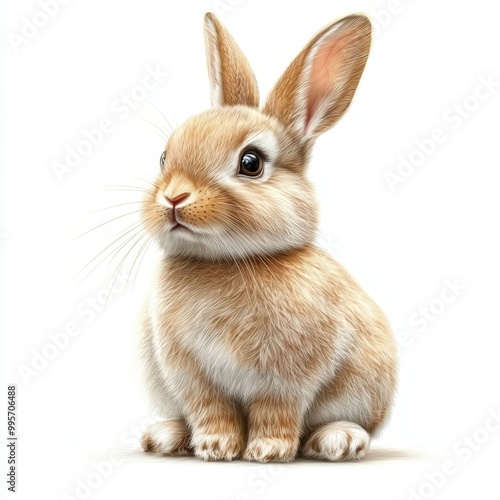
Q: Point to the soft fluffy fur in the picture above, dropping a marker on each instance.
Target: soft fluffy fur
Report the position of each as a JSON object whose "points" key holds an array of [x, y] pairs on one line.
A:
{"points": [[257, 344]]}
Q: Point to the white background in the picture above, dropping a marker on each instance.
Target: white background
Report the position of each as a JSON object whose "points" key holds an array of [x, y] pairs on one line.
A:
{"points": [[402, 244]]}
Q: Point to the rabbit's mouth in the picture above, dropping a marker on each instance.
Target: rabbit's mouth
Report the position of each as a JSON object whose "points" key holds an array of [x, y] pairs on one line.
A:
{"points": [[180, 226], [177, 224]]}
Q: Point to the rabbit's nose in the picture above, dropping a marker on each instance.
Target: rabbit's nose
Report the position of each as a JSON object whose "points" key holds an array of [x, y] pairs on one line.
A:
{"points": [[177, 199]]}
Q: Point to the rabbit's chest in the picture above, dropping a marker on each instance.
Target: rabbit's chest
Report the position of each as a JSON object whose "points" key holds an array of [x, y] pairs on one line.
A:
{"points": [[249, 332], [223, 365], [244, 344], [230, 346]]}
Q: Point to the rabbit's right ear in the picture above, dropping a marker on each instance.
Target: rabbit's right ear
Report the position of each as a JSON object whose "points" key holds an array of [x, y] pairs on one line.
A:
{"points": [[232, 80], [317, 88]]}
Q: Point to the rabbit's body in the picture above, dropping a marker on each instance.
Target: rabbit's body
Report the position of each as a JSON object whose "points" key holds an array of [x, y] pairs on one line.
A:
{"points": [[256, 343], [252, 328]]}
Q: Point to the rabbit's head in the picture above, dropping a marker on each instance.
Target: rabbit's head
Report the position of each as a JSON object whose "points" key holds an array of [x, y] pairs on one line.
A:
{"points": [[233, 179]]}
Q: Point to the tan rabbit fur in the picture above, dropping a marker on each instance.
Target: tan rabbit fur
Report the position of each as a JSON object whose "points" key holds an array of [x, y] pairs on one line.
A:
{"points": [[257, 344]]}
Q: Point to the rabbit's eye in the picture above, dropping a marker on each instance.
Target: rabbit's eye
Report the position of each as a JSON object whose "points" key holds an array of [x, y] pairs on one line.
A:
{"points": [[162, 160], [251, 164]]}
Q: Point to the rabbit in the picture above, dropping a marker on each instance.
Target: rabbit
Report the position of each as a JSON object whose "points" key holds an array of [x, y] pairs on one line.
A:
{"points": [[255, 343]]}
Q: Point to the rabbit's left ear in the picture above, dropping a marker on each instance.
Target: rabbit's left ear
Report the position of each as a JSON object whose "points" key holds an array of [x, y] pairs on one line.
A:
{"points": [[232, 80], [317, 88]]}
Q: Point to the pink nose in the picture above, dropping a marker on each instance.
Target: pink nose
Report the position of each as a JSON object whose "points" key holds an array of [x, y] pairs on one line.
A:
{"points": [[178, 198]]}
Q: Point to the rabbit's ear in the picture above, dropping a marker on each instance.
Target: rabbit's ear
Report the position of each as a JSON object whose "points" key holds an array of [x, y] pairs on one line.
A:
{"points": [[317, 88], [232, 81]]}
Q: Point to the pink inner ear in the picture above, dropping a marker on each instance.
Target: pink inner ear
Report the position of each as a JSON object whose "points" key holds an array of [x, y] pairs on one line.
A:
{"points": [[329, 68]]}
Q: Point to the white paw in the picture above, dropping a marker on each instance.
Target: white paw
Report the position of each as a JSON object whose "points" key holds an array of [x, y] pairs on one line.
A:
{"points": [[212, 447], [270, 450], [338, 441], [169, 437]]}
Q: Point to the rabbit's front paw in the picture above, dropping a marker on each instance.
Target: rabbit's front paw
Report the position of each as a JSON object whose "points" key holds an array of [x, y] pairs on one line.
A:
{"points": [[213, 447], [267, 449], [338, 441], [169, 437]]}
